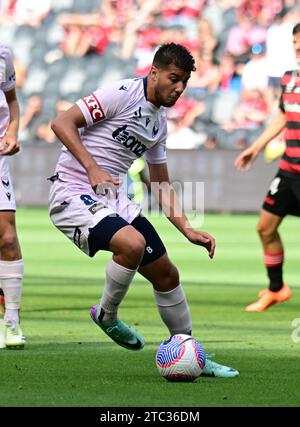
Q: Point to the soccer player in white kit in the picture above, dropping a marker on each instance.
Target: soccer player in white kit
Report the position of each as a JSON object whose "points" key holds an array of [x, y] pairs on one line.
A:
{"points": [[11, 263], [102, 134]]}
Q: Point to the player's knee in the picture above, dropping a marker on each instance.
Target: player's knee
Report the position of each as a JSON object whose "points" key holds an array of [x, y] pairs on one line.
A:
{"points": [[265, 232], [129, 248], [9, 243], [136, 248]]}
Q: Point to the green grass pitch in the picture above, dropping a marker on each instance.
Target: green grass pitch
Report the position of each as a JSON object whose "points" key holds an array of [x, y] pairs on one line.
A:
{"points": [[68, 361]]}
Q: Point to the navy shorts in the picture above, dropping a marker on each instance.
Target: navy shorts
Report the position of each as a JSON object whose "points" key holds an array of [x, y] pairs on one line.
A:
{"points": [[283, 197], [103, 232]]}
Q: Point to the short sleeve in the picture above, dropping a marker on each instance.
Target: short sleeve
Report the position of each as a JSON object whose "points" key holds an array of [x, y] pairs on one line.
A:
{"points": [[156, 154], [102, 104], [8, 75]]}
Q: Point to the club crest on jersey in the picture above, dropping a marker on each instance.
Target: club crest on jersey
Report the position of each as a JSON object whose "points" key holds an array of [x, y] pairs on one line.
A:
{"points": [[94, 107], [129, 141]]}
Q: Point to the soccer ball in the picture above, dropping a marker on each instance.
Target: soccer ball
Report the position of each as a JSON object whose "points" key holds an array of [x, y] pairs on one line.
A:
{"points": [[180, 358]]}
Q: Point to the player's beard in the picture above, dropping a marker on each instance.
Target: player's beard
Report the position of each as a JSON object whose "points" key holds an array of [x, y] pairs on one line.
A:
{"points": [[165, 101]]}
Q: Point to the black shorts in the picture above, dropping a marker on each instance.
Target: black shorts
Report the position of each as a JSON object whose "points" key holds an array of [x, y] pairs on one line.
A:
{"points": [[283, 197], [102, 233]]}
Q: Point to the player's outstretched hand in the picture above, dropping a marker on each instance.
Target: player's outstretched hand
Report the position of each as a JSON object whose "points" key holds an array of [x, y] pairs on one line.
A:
{"points": [[246, 159], [204, 239], [9, 146]]}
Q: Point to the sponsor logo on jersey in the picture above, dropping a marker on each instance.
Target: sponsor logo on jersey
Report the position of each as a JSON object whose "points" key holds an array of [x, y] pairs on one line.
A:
{"points": [[94, 107], [147, 121], [87, 199], [8, 195], [129, 141], [96, 207], [123, 87], [5, 181]]}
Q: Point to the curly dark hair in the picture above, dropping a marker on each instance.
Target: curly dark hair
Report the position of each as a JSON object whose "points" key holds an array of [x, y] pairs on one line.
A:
{"points": [[172, 53]]}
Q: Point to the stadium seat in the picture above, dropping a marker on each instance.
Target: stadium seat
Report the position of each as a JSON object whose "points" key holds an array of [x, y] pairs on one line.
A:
{"points": [[35, 81], [87, 6], [22, 48], [55, 34], [59, 6], [71, 82]]}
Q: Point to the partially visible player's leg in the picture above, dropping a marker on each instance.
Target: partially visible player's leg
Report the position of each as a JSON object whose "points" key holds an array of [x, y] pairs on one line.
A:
{"points": [[267, 229], [87, 221], [11, 275], [169, 295], [127, 245], [158, 269]]}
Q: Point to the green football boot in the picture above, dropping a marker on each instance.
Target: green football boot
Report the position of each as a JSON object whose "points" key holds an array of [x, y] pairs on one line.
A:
{"points": [[118, 331], [213, 369]]}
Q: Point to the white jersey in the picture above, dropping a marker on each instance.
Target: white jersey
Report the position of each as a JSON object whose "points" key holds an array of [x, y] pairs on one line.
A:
{"points": [[7, 82], [121, 126]]}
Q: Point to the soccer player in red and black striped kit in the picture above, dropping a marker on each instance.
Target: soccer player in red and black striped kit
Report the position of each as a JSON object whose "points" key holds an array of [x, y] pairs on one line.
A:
{"points": [[283, 197]]}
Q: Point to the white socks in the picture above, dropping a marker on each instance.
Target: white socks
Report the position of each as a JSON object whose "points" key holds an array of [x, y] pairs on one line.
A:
{"points": [[174, 310], [118, 279], [11, 276], [172, 306]]}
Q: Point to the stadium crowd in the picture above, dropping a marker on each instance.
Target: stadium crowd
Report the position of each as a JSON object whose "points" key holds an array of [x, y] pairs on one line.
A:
{"points": [[65, 49]]}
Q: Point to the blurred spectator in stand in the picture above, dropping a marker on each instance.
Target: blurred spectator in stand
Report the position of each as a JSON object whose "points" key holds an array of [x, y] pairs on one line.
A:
{"points": [[84, 33], [230, 78], [205, 38], [248, 119], [20, 73], [141, 29], [147, 41], [117, 13], [254, 74], [242, 37], [207, 76], [44, 131], [280, 55], [28, 119], [180, 119], [182, 13], [27, 12], [261, 9]]}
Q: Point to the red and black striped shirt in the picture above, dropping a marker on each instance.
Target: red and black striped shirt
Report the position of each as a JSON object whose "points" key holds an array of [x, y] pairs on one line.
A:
{"points": [[290, 105]]}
